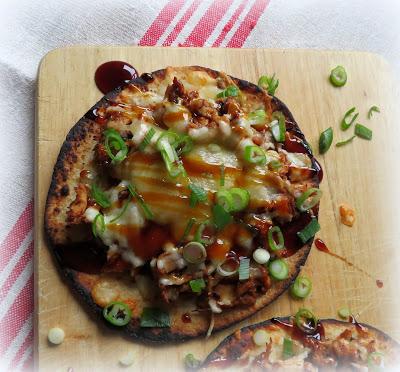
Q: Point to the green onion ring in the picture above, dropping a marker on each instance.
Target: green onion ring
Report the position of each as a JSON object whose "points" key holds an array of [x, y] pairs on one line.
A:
{"points": [[255, 155], [117, 313], [302, 202], [338, 76], [98, 225], [306, 321], [301, 287], [113, 140], [271, 239], [278, 269]]}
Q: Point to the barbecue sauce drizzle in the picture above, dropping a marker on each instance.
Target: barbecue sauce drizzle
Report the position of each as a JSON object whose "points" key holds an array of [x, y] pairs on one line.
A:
{"points": [[111, 75]]}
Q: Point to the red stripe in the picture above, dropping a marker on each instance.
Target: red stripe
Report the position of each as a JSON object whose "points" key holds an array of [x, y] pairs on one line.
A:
{"points": [[207, 23], [17, 234], [16, 316], [179, 26], [162, 21], [18, 268], [28, 342], [28, 365], [230, 24], [248, 24]]}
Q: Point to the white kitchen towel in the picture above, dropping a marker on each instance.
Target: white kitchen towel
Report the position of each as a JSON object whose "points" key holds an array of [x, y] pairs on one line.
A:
{"points": [[29, 29]]}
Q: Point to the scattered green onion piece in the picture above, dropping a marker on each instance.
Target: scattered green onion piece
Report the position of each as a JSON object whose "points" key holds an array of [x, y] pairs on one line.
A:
{"points": [[270, 84], [165, 144], [197, 285], [188, 228], [376, 359], [194, 253], [117, 313], [184, 144], [199, 237], [230, 91], [255, 155], [372, 110], [222, 175], [224, 199], [257, 117], [221, 217], [342, 143], [287, 348], [197, 195], [338, 76], [146, 209], [363, 132], [309, 231], [306, 321], [124, 208], [98, 225], [244, 269], [271, 239], [304, 203], [100, 197], [147, 138], [344, 313], [325, 140], [114, 141], [278, 269], [301, 287], [191, 362], [154, 317], [240, 199], [345, 124], [278, 126]]}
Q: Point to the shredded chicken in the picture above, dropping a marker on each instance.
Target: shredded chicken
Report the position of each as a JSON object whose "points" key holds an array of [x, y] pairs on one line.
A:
{"points": [[78, 206]]}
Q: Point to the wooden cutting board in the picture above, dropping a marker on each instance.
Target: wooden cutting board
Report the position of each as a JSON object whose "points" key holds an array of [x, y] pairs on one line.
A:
{"points": [[363, 174]]}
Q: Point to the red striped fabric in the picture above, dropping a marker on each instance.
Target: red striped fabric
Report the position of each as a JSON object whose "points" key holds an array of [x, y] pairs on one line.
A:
{"points": [[250, 21], [207, 23], [17, 316]]}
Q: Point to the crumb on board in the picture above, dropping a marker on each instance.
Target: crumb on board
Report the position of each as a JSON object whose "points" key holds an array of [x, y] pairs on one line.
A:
{"points": [[347, 215]]}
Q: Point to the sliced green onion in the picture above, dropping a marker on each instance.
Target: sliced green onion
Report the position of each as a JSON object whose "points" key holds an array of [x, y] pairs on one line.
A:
{"points": [[240, 199], [226, 270], [363, 132], [197, 285], [309, 231], [224, 199], [278, 126], [188, 228], [117, 313], [222, 175], [255, 155], [345, 124], [270, 84], [124, 208], [199, 235], [244, 269], [257, 117], [147, 138], [221, 217], [338, 76], [165, 144], [261, 256], [278, 269], [287, 348], [194, 252], [197, 195], [230, 91], [191, 362], [274, 165], [271, 238], [372, 110], [98, 225], [308, 199], [154, 317], [339, 144], [100, 197], [146, 209], [115, 143], [376, 359], [325, 140], [301, 287], [184, 144], [344, 313], [306, 321]]}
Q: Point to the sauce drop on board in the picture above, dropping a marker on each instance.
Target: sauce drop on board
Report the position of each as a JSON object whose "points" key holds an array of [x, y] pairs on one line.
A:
{"points": [[111, 75], [379, 283]]}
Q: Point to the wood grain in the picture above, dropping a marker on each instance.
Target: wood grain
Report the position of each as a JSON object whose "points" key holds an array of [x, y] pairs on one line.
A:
{"points": [[363, 174]]}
